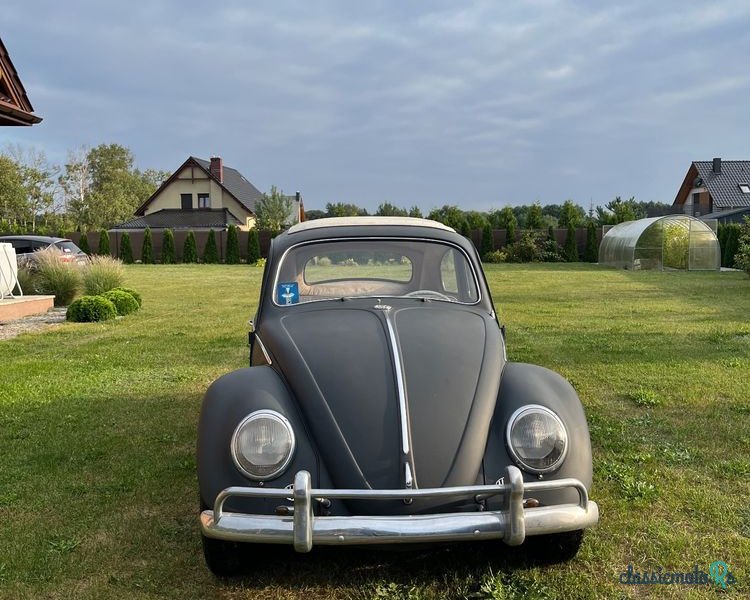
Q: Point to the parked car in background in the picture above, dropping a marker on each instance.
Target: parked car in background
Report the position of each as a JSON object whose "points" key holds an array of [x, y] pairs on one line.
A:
{"points": [[380, 407], [27, 245]]}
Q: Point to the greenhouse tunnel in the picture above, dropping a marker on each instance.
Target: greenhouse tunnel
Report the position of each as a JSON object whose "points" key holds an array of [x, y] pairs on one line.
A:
{"points": [[671, 242]]}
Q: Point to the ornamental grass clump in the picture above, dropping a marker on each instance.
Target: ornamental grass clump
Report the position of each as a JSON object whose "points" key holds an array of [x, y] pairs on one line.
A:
{"points": [[56, 276], [91, 309], [102, 274], [124, 302]]}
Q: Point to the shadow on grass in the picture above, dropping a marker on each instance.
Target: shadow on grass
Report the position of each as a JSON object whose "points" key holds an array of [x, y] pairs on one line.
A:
{"points": [[364, 568]]}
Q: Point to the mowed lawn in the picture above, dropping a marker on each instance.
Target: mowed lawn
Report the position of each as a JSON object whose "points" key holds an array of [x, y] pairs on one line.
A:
{"points": [[98, 493]]}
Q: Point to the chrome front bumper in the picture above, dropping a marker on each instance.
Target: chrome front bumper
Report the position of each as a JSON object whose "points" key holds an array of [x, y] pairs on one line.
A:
{"points": [[303, 529]]}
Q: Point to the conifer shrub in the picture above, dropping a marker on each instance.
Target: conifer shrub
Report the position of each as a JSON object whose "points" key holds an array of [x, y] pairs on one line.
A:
{"points": [[147, 252], [570, 249], [487, 244], [211, 252], [591, 253], [103, 243], [124, 302], [126, 249], [167, 248], [190, 249], [90, 309], [253, 247], [232, 256], [83, 243]]}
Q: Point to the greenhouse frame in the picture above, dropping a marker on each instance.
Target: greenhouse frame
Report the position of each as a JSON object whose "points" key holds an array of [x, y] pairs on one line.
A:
{"points": [[671, 242]]}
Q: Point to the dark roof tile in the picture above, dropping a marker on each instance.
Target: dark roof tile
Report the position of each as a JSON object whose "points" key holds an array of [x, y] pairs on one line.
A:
{"points": [[170, 218], [724, 187]]}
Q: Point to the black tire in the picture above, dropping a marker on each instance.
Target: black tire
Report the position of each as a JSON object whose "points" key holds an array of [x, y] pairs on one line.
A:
{"points": [[554, 548]]}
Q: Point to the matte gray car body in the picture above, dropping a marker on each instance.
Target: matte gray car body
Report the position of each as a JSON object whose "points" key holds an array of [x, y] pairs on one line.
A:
{"points": [[328, 367]]}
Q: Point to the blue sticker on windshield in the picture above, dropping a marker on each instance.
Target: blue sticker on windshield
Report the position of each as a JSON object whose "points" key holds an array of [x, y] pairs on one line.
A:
{"points": [[288, 293]]}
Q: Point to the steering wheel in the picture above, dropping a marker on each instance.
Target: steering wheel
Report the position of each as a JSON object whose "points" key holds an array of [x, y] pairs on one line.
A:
{"points": [[429, 294]]}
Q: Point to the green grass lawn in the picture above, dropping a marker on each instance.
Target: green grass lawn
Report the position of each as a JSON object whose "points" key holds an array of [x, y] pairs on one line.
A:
{"points": [[98, 492]]}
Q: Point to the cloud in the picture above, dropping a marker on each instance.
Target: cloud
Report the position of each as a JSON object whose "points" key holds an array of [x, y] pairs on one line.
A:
{"points": [[419, 105]]}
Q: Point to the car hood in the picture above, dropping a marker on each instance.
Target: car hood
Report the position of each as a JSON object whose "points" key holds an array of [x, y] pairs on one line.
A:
{"points": [[339, 363]]}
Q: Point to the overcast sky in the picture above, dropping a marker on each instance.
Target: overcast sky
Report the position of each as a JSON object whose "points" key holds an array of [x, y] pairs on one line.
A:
{"points": [[479, 104]]}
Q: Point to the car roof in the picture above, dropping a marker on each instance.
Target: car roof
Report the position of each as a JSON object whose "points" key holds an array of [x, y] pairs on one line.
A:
{"points": [[367, 221], [35, 238]]}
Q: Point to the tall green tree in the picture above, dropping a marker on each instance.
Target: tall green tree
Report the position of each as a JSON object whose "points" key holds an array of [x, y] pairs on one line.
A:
{"points": [[253, 247], [534, 217], [341, 209], [619, 210], [506, 219], [39, 181], [450, 215], [103, 243], [12, 192], [190, 249], [232, 256], [211, 252], [386, 209], [126, 249], [570, 213], [415, 212], [167, 248], [273, 211]]}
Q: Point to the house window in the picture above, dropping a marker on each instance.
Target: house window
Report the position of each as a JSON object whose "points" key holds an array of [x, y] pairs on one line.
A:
{"points": [[186, 201], [204, 201], [745, 188], [696, 204]]}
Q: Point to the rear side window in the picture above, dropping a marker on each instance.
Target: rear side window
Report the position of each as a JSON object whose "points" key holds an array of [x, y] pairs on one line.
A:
{"points": [[22, 246], [68, 247]]}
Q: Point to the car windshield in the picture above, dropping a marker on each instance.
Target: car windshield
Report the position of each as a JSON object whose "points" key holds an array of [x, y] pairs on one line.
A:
{"points": [[375, 268], [68, 247]]}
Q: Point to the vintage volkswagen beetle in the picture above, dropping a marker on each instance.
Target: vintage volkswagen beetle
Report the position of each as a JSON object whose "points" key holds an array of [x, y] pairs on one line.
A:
{"points": [[379, 407]]}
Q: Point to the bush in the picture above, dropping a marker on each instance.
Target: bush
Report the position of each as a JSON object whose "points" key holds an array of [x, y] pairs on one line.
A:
{"points": [[261, 263], [510, 232], [102, 274], [83, 243], [132, 292], [210, 252], [89, 309], [496, 256], [190, 249], [147, 254], [742, 257], [55, 277], [167, 248], [232, 257], [570, 249], [124, 302], [253, 247], [526, 249], [126, 249], [550, 251], [591, 254], [103, 243]]}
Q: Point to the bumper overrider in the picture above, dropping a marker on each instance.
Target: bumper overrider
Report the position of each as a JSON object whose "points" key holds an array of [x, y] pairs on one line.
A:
{"points": [[302, 529]]}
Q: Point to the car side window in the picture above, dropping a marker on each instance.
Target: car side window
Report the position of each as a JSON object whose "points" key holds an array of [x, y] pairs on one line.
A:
{"points": [[22, 246], [448, 272], [39, 246]]}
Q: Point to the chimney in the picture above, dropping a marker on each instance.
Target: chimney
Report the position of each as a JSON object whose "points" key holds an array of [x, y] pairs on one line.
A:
{"points": [[717, 166], [217, 168]]}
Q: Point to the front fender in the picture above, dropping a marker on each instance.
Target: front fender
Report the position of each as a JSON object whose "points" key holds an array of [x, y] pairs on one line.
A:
{"points": [[228, 401], [523, 384]]}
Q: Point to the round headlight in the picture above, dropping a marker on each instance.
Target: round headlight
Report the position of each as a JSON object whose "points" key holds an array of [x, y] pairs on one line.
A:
{"points": [[537, 439], [263, 444]]}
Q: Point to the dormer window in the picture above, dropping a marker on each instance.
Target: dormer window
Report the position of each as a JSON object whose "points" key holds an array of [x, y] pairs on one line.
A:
{"points": [[745, 188]]}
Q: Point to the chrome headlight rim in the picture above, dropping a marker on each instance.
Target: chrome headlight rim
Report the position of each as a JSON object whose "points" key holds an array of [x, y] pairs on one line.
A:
{"points": [[517, 414], [270, 414]]}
